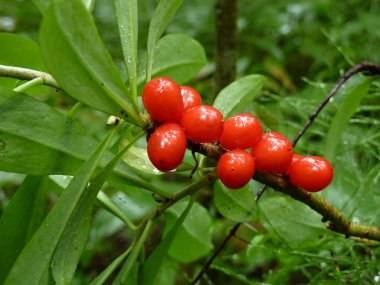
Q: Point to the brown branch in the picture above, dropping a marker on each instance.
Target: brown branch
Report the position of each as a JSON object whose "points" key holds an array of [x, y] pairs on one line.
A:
{"points": [[226, 42], [367, 67], [336, 220]]}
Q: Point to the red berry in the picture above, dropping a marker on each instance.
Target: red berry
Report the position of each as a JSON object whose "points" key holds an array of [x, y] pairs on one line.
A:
{"points": [[190, 97], [202, 124], [236, 168], [163, 100], [273, 153], [167, 146], [241, 131], [312, 173], [295, 157]]}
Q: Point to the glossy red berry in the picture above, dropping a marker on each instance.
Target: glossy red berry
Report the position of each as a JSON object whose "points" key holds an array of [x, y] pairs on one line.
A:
{"points": [[273, 153], [190, 97], [312, 173], [163, 100], [235, 168], [167, 146], [202, 124], [241, 131], [295, 157]]}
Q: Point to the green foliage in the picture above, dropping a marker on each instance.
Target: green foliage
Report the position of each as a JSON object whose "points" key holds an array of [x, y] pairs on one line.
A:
{"points": [[101, 226], [234, 205], [69, 41]]}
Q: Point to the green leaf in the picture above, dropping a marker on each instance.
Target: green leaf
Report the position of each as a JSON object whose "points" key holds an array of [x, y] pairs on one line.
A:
{"points": [[78, 60], [195, 231], [37, 139], [160, 19], [236, 95], [21, 218], [102, 277], [176, 56], [236, 205], [294, 222], [31, 264], [127, 18], [131, 261], [72, 242], [42, 5], [347, 108], [20, 51], [155, 262]]}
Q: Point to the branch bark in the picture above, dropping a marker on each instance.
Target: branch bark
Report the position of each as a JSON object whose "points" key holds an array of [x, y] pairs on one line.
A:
{"points": [[27, 74], [226, 42]]}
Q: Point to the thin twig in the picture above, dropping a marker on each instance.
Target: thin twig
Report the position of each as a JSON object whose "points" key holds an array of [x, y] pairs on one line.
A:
{"points": [[27, 74], [367, 67], [216, 253]]}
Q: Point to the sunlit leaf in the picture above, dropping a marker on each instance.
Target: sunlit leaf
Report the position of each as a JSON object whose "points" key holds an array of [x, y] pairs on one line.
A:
{"points": [[236, 95], [78, 60]]}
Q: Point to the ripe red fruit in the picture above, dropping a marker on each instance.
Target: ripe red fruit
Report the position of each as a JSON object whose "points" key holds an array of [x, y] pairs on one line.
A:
{"points": [[163, 100], [295, 157], [202, 124], [235, 168], [167, 146], [312, 173], [273, 153], [241, 131], [190, 97]]}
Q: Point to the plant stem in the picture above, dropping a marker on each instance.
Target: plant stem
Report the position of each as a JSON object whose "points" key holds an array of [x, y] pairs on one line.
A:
{"points": [[226, 42], [216, 253], [367, 67], [188, 190], [34, 82], [27, 74], [74, 109], [336, 220]]}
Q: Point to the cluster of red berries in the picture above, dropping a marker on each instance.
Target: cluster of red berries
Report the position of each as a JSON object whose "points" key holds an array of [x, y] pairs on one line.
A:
{"points": [[182, 116]]}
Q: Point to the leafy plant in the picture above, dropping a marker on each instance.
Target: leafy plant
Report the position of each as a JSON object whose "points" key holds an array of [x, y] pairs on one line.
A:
{"points": [[85, 205]]}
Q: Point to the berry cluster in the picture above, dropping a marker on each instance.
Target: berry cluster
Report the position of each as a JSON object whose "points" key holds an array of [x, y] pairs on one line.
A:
{"points": [[182, 116]]}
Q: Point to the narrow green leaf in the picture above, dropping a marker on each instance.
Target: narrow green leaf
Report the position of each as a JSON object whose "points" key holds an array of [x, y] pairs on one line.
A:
{"points": [[347, 108], [177, 56], [236, 205], [236, 95], [160, 19], [72, 242], [154, 263], [132, 258], [78, 60], [195, 230], [37, 139], [21, 218], [31, 264], [102, 277], [127, 18]]}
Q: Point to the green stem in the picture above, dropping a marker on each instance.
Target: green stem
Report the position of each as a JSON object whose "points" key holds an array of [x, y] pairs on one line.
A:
{"points": [[34, 82], [188, 190], [107, 203], [74, 109], [102, 277], [137, 246]]}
